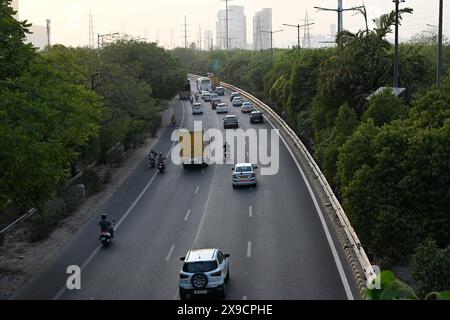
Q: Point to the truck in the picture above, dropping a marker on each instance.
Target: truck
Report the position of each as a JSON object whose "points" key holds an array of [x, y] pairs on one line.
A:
{"points": [[192, 149], [215, 81], [185, 94]]}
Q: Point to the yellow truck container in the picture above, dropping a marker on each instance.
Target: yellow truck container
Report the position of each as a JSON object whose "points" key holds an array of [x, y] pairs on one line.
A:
{"points": [[215, 82], [192, 149]]}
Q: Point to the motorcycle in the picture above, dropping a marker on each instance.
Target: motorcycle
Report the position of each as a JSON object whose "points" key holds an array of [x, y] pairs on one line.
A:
{"points": [[152, 159], [161, 166], [106, 237]]}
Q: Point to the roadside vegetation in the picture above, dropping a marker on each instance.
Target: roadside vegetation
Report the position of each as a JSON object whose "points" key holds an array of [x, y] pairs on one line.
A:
{"points": [[387, 157], [64, 108]]}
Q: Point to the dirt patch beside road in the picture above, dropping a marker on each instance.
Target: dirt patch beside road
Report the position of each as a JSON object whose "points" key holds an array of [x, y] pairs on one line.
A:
{"points": [[20, 259]]}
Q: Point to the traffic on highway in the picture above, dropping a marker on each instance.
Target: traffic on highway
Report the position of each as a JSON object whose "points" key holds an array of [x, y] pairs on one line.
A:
{"points": [[248, 235]]}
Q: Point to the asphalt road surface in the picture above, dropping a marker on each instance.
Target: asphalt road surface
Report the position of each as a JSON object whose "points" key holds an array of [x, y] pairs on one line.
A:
{"points": [[281, 245]]}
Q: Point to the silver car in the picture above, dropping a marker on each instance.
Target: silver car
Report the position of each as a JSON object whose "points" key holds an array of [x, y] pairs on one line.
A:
{"points": [[247, 107], [204, 271], [244, 175], [222, 108]]}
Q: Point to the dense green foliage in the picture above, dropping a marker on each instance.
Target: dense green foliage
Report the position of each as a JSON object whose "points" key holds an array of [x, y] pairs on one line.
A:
{"points": [[386, 157], [392, 288], [432, 267], [64, 107]]}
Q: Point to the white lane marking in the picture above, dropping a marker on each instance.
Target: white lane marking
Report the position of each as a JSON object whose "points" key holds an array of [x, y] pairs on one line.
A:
{"points": [[337, 260], [187, 215], [197, 235], [94, 253], [250, 212], [244, 298], [170, 253], [197, 189], [249, 249]]}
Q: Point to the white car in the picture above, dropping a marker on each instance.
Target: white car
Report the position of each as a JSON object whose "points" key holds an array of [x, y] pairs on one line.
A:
{"points": [[244, 175], [247, 107], [197, 108], [237, 102], [204, 271], [222, 108], [206, 96]]}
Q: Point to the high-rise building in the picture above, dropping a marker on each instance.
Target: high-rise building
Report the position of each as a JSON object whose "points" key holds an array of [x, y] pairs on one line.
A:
{"points": [[207, 40], [262, 21], [237, 28]]}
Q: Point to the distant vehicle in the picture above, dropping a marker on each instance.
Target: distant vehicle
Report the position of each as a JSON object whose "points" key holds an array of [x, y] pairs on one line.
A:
{"points": [[256, 117], [244, 175], [204, 84], [220, 91], [204, 271], [215, 102], [234, 95], [230, 122], [192, 149], [206, 96], [237, 102], [222, 108], [215, 81], [214, 96], [185, 94], [247, 107], [197, 108]]}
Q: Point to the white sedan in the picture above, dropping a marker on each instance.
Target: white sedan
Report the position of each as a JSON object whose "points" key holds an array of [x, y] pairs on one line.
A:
{"points": [[222, 108]]}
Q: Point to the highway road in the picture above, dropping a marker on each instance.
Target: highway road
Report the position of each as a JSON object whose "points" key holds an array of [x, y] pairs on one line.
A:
{"points": [[281, 245]]}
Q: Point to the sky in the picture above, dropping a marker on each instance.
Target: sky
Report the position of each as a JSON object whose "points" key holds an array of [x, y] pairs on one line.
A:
{"points": [[157, 19]]}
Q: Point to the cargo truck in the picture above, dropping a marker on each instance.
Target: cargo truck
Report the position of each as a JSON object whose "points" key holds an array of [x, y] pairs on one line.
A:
{"points": [[192, 149]]}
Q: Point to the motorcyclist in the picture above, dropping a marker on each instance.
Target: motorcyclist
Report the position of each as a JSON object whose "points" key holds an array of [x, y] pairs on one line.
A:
{"points": [[196, 97], [161, 159], [191, 99], [174, 119], [152, 157], [106, 225]]}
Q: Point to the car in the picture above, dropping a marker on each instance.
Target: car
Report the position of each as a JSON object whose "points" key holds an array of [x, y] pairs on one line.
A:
{"points": [[214, 96], [247, 107], [206, 96], [197, 108], [244, 175], [204, 271], [237, 102], [220, 91], [256, 117], [234, 95], [215, 102], [230, 122], [222, 108]]}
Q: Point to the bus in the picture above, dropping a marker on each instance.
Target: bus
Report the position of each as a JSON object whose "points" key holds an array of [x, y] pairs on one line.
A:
{"points": [[203, 84]]}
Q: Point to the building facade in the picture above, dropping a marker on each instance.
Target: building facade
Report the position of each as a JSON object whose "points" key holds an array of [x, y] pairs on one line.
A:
{"points": [[237, 28], [262, 21]]}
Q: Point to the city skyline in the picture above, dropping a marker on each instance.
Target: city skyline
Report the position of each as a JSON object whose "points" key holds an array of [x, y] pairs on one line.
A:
{"points": [[70, 19]]}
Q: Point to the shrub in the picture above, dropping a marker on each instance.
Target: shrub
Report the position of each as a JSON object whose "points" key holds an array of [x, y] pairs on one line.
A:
{"points": [[92, 181], [432, 267]]}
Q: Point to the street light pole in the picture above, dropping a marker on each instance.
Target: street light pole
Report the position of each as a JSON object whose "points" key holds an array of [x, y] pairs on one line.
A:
{"points": [[440, 53], [298, 26], [396, 72], [271, 39]]}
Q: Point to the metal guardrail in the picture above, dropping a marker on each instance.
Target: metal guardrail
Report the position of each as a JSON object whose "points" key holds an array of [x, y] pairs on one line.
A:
{"points": [[350, 233], [17, 221]]}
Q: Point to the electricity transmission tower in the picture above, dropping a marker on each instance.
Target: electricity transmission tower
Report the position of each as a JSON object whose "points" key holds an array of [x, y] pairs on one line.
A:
{"points": [[307, 31], [91, 31]]}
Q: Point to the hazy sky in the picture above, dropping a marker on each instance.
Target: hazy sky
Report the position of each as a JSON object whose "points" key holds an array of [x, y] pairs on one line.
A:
{"points": [[150, 18]]}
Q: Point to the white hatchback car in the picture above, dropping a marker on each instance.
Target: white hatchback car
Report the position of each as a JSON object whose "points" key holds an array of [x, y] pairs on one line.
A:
{"points": [[204, 271], [206, 96], [244, 175], [222, 108], [197, 108]]}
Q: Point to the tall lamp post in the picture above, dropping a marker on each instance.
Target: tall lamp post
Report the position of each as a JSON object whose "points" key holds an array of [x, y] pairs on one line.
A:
{"points": [[298, 26], [396, 73], [271, 38]]}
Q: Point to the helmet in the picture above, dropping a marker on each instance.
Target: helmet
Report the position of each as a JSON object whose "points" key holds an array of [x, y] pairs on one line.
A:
{"points": [[103, 216]]}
